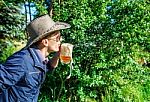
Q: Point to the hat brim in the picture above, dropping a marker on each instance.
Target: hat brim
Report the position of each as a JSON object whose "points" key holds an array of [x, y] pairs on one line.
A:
{"points": [[57, 26]]}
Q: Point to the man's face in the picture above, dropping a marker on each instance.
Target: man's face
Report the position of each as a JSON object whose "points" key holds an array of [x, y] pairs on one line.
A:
{"points": [[54, 42]]}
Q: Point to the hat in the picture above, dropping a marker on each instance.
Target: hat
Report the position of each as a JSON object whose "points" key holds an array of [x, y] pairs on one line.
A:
{"points": [[41, 27]]}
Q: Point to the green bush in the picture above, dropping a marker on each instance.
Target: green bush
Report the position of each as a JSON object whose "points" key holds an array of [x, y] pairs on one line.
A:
{"points": [[7, 49], [11, 28], [111, 52]]}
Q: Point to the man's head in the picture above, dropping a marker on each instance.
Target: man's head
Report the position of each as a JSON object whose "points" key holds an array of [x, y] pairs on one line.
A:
{"points": [[50, 42], [44, 27]]}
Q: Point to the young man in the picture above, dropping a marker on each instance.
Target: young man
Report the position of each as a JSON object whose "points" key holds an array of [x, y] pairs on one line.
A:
{"points": [[23, 73]]}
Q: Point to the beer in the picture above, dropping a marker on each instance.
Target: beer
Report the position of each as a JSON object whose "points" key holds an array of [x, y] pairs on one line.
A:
{"points": [[65, 59], [66, 56], [66, 53]]}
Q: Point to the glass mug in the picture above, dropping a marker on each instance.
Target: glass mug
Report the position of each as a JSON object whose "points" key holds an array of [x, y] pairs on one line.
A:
{"points": [[66, 53]]}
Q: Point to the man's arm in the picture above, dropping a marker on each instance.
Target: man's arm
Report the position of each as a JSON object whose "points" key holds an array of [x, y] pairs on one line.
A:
{"points": [[54, 60], [11, 71]]}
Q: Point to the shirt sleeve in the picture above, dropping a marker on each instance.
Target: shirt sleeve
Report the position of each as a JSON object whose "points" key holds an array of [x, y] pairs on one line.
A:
{"points": [[11, 71]]}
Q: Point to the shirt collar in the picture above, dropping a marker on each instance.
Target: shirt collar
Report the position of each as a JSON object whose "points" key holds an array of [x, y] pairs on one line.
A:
{"points": [[37, 57], [41, 56]]}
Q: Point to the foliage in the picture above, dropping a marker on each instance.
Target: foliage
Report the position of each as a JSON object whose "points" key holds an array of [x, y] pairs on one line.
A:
{"points": [[6, 50], [11, 21], [111, 51], [12, 27]]}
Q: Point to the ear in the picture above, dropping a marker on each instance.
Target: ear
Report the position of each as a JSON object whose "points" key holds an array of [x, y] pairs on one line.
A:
{"points": [[45, 42]]}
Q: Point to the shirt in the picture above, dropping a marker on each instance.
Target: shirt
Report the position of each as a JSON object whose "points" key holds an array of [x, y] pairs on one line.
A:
{"points": [[21, 76]]}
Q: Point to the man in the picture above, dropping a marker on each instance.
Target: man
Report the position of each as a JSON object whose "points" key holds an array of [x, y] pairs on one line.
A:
{"points": [[23, 73]]}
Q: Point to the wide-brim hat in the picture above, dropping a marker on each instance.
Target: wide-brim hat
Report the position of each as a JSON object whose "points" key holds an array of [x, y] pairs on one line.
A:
{"points": [[42, 27]]}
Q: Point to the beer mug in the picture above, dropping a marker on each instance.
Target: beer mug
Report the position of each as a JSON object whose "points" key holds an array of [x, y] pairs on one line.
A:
{"points": [[66, 53]]}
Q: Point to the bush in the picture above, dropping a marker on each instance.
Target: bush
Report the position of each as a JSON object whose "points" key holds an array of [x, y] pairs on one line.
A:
{"points": [[111, 52]]}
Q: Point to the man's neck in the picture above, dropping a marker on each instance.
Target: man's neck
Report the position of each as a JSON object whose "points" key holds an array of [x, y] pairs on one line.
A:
{"points": [[42, 51]]}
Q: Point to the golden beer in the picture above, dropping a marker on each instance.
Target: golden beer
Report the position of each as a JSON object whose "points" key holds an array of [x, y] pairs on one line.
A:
{"points": [[66, 53]]}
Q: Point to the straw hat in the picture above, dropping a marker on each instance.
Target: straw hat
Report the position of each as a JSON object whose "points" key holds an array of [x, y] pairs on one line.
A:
{"points": [[41, 27]]}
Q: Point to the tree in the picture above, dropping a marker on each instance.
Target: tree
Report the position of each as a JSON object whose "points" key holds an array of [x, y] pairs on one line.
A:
{"points": [[11, 27], [111, 53]]}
